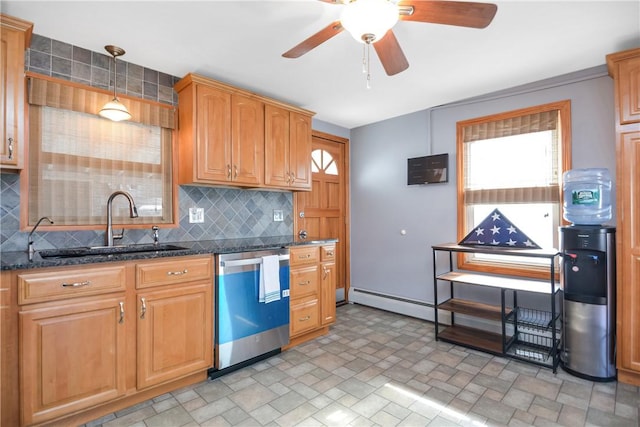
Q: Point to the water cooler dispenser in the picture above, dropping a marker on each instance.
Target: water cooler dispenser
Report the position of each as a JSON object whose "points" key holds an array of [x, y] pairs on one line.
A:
{"points": [[588, 279]]}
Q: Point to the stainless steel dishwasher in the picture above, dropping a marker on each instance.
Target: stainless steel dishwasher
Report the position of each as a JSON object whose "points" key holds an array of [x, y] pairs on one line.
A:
{"points": [[247, 330]]}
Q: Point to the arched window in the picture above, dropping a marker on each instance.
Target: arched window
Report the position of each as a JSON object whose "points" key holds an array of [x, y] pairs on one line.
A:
{"points": [[322, 160]]}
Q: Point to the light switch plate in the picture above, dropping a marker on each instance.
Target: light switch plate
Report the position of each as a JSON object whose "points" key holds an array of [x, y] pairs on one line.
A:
{"points": [[278, 215], [196, 215]]}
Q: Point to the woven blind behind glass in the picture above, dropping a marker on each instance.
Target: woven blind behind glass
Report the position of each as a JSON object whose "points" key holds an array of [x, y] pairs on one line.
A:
{"points": [[538, 122], [77, 160]]}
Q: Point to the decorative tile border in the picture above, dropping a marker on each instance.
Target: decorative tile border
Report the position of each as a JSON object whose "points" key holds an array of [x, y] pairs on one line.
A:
{"points": [[64, 61]]}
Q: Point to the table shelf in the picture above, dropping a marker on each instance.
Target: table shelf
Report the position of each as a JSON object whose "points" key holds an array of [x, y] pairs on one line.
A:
{"points": [[527, 334]]}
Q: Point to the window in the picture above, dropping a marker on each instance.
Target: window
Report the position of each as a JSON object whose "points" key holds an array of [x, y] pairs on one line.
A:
{"points": [[322, 160], [514, 162], [77, 160]]}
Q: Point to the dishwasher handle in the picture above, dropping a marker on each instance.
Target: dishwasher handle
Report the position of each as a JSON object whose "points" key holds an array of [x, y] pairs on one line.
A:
{"points": [[249, 261]]}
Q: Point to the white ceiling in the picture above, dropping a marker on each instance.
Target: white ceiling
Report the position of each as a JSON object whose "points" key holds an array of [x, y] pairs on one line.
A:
{"points": [[241, 43]]}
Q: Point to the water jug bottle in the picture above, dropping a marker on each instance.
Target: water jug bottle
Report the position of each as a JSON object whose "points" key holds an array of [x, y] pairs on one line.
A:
{"points": [[587, 196]]}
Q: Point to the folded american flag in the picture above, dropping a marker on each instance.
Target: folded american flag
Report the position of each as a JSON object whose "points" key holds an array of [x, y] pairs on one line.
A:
{"points": [[497, 230]]}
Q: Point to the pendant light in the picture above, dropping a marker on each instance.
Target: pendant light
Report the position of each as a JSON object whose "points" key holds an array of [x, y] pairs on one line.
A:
{"points": [[114, 109]]}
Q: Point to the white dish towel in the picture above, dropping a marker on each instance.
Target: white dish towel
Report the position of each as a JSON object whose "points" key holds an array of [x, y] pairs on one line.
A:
{"points": [[269, 279]]}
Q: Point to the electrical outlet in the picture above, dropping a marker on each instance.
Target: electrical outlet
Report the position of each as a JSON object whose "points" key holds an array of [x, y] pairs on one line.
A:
{"points": [[196, 215], [278, 215]]}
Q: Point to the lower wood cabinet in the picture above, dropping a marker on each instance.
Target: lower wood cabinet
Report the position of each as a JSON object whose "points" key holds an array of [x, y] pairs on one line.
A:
{"points": [[174, 333], [312, 291], [79, 342], [328, 283], [72, 358]]}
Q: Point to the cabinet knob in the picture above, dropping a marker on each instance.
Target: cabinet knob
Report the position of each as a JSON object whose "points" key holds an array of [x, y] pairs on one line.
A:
{"points": [[10, 148], [228, 171], [177, 273]]}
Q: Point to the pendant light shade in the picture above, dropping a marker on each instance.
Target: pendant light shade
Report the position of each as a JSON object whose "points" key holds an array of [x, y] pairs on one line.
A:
{"points": [[114, 109]]}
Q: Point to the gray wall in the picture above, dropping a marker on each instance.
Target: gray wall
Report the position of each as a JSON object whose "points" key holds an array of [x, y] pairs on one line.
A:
{"points": [[385, 261]]}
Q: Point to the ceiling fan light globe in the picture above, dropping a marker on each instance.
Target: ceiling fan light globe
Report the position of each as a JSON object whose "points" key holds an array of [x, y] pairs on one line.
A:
{"points": [[115, 110], [369, 17]]}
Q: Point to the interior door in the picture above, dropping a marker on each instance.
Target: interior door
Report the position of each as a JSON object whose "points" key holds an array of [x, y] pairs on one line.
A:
{"points": [[322, 212]]}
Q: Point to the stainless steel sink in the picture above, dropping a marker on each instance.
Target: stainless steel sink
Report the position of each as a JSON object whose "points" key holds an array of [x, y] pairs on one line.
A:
{"points": [[106, 250]]}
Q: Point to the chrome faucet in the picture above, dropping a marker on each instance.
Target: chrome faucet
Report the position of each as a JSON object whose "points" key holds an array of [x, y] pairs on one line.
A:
{"points": [[156, 236], [30, 248], [133, 213]]}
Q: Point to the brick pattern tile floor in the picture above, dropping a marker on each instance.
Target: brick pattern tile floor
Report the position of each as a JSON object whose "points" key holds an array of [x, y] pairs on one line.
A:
{"points": [[377, 368]]}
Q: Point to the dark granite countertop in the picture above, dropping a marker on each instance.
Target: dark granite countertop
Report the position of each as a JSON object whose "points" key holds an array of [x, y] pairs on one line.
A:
{"points": [[20, 260]]}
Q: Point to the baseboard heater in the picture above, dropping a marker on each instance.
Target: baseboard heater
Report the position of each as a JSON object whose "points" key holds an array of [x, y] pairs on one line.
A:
{"points": [[393, 303]]}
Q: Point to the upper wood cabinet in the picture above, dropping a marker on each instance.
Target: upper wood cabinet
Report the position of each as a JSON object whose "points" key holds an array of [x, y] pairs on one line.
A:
{"points": [[624, 67], [16, 37], [287, 149], [222, 133]]}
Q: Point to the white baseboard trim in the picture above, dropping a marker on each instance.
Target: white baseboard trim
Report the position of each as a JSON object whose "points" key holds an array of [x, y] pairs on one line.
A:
{"points": [[408, 307]]}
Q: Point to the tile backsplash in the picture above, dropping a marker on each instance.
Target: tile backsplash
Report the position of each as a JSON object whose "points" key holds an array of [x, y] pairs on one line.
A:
{"points": [[228, 213]]}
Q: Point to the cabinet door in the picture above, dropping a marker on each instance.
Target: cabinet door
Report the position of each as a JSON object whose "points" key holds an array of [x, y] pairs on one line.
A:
{"points": [[247, 132], [12, 103], [300, 151], [328, 291], [175, 333], [276, 147], [628, 84], [213, 135], [628, 237], [71, 357]]}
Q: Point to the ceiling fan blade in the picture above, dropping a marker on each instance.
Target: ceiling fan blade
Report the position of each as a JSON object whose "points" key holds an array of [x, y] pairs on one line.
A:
{"points": [[459, 13], [390, 54], [315, 40]]}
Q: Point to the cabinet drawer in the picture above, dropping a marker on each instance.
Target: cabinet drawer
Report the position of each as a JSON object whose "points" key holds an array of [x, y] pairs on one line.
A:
{"points": [[172, 271], [305, 316], [304, 255], [328, 253], [304, 281], [57, 285]]}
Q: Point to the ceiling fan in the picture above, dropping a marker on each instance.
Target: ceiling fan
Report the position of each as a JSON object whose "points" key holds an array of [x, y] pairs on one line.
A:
{"points": [[371, 22]]}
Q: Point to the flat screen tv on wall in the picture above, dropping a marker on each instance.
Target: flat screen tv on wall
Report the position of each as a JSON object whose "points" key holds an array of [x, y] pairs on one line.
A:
{"points": [[428, 169]]}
